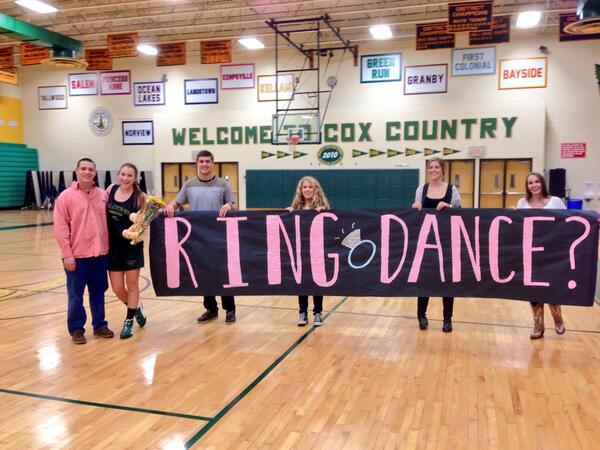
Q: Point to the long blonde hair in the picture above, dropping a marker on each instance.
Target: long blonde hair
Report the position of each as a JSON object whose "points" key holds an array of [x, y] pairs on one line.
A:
{"points": [[319, 199]]}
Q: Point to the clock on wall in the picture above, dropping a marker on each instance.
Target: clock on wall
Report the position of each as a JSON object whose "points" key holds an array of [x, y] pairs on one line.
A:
{"points": [[101, 121]]}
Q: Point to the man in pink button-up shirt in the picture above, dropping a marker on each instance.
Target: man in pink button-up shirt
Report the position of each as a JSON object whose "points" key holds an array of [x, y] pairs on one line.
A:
{"points": [[81, 232]]}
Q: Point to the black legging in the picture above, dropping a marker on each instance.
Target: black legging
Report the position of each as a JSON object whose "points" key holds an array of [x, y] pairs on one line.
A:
{"points": [[317, 301], [424, 301]]}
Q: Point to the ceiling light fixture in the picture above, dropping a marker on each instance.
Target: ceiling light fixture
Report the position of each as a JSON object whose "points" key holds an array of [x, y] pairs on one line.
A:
{"points": [[528, 19], [147, 49], [381, 32], [37, 6], [252, 43]]}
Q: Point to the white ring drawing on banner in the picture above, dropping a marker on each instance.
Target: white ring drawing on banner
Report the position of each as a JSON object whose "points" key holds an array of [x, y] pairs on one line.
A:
{"points": [[366, 241]]}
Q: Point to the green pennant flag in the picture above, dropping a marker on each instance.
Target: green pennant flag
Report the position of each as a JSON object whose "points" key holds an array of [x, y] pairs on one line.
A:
{"points": [[357, 153], [299, 154], [411, 152], [430, 151], [391, 152], [264, 155], [374, 152], [281, 154], [450, 151]]}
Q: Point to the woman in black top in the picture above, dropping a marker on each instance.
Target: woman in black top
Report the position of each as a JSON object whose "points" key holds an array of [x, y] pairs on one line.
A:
{"points": [[125, 259], [436, 194]]}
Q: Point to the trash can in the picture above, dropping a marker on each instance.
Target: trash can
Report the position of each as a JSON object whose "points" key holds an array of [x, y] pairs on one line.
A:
{"points": [[575, 203]]}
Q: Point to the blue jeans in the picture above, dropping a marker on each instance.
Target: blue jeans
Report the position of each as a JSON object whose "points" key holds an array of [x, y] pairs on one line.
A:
{"points": [[90, 272]]}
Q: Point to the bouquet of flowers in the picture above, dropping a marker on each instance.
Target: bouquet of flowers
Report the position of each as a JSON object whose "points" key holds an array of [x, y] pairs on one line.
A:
{"points": [[140, 220]]}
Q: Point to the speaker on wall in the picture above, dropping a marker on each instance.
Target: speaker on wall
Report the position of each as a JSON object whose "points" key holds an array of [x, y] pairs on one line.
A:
{"points": [[558, 181]]}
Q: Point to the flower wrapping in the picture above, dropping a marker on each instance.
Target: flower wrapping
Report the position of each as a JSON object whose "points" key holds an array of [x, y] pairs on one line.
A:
{"points": [[150, 210]]}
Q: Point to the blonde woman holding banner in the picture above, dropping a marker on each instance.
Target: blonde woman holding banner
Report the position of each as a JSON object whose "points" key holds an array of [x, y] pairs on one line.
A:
{"points": [[436, 194], [309, 196]]}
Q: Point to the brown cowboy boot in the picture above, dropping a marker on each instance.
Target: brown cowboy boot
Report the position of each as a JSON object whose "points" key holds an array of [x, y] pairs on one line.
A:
{"points": [[559, 325], [538, 321]]}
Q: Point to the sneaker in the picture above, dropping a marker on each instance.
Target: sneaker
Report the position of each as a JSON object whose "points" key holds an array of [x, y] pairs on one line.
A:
{"points": [[423, 323], [447, 325], [208, 315], [127, 330], [78, 337], [302, 319], [139, 315], [103, 332], [318, 320], [230, 317]]}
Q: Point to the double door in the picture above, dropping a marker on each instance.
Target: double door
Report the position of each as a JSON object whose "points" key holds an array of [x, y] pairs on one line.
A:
{"points": [[502, 182], [175, 174]]}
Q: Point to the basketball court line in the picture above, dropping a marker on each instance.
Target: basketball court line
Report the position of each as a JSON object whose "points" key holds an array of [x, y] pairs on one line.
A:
{"points": [[282, 308], [31, 225], [211, 421], [106, 405], [196, 437]]}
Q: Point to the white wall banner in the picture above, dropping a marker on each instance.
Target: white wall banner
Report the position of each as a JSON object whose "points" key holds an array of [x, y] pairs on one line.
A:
{"points": [[267, 87], [473, 61], [432, 79], [237, 76], [523, 73], [115, 82], [52, 97], [83, 83], [138, 132], [149, 93], [381, 68], [202, 90]]}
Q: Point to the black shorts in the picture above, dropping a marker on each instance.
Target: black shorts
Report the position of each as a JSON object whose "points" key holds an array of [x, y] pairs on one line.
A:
{"points": [[123, 256]]}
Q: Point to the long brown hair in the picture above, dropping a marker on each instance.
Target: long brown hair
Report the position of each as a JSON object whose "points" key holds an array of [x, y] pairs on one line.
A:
{"points": [[138, 195], [440, 161], [542, 181], [319, 199]]}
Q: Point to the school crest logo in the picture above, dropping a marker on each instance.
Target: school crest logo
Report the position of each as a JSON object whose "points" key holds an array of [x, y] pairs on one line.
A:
{"points": [[330, 154]]}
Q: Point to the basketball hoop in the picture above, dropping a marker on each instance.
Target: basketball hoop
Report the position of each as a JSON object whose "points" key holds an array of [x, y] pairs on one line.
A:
{"points": [[292, 142]]}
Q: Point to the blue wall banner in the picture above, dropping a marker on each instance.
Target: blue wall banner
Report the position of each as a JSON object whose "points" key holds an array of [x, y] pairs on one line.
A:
{"points": [[138, 132], [538, 255], [201, 91], [473, 61]]}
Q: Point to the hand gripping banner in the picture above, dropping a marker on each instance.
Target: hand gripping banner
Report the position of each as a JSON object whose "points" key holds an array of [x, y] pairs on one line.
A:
{"points": [[538, 255]]}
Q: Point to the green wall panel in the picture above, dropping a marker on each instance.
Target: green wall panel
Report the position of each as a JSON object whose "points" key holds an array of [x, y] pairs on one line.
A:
{"points": [[369, 188], [15, 161]]}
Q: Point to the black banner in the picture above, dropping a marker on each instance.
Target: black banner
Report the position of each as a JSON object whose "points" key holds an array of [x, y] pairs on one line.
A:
{"points": [[470, 16], [540, 255], [567, 19], [434, 35], [500, 32]]}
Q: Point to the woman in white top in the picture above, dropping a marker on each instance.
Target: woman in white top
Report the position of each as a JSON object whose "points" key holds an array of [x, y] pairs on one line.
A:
{"points": [[538, 197]]}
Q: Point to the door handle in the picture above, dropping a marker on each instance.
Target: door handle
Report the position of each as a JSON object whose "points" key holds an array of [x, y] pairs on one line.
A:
{"points": [[492, 193]]}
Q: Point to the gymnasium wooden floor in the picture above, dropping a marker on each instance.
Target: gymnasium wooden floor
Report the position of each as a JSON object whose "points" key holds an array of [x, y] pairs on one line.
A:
{"points": [[367, 379]]}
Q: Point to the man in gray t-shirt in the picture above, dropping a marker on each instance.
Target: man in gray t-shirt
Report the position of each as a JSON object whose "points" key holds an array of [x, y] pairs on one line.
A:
{"points": [[207, 192]]}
